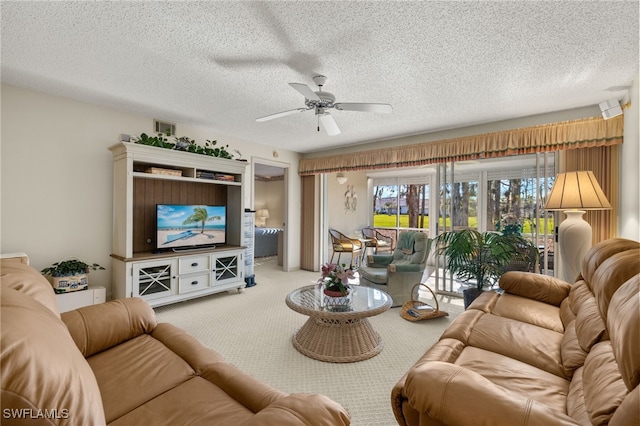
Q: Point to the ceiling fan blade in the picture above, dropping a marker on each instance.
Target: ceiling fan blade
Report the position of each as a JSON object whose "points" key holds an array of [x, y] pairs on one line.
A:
{"points": [[380, 108], [280, 114], [234, 62], [329, 124], [305, 91]]}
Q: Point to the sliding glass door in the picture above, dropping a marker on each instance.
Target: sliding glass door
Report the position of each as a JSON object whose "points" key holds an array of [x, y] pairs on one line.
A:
{"points": [[501, 195]]}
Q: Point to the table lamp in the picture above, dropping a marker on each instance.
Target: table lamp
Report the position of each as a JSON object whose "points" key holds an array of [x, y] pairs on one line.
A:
{"points": [[573, 193], [262, 215]]}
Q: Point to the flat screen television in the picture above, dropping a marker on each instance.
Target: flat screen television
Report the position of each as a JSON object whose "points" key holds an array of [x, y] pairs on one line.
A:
{"points": [[189, 226]]}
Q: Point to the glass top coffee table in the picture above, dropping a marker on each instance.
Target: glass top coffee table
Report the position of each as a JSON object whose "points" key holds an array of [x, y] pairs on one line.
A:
{"points": [[338, 331]]}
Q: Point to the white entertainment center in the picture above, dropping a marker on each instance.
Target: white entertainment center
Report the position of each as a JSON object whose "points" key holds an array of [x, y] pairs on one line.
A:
{"points": [[145, 176]]}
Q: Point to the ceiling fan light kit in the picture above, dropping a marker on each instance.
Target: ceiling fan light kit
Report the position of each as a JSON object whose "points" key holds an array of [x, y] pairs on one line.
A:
{"points": [[320, 101]]}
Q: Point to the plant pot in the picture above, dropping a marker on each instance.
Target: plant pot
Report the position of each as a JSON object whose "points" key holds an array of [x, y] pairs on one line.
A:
{"points": [[334, 293], [69, 283], [469, 295], [334, 300]]}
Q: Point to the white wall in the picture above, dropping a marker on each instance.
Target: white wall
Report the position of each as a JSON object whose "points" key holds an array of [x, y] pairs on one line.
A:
{"points": [[56, 177], [344, 219], [270, 195], [629, 220]]}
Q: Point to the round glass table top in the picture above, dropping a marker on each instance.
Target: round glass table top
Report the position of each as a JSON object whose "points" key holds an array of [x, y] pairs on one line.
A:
{"points": [[362, 301]]}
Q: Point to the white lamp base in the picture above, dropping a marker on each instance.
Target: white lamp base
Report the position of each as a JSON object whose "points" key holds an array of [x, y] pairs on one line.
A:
{"points": [[574, 239]]}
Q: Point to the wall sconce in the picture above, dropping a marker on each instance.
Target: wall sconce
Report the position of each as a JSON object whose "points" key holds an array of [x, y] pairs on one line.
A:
{"points": [[261, 217], [573, 193], [341, 178]]}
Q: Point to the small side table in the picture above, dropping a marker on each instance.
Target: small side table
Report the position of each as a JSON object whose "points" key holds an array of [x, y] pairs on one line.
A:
{"points": [[78, 299]]}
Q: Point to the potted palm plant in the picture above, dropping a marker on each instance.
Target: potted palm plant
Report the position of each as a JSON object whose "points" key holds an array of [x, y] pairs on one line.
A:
{"points": [[480, 256]]}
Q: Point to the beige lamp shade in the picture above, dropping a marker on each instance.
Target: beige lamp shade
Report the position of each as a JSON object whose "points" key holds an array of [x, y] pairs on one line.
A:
{"points": [[263, 213], [261, 217], [577, 190]]}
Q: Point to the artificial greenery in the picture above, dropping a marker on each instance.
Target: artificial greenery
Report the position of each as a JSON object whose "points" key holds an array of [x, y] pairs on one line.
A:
{"points": [[482, 256], [185, 144], [66, 268], [160, 141]]}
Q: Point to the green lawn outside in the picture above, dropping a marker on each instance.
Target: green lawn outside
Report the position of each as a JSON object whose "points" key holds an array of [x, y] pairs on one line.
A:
{"points": [[389, 221]]}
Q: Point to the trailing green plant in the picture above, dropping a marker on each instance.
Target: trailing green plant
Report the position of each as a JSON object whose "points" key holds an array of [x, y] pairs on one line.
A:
{"points": [[66, 268], [220, 152], [186, 144], [159, 141], [481, 256]]}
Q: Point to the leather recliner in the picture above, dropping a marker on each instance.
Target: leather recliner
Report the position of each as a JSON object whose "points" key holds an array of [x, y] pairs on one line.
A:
{"points": [[543, 352], [113, 363]]}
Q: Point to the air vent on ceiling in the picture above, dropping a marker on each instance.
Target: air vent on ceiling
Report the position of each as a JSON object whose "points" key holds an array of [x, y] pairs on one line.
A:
{"points": [[168, 129]]}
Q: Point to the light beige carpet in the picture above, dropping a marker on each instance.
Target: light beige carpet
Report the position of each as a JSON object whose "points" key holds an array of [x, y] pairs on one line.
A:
{"points": [[253, 331]]}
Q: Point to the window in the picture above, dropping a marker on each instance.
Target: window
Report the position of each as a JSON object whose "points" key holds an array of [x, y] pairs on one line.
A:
{"points": [[459, 203], [514, 203], [401, 203]]}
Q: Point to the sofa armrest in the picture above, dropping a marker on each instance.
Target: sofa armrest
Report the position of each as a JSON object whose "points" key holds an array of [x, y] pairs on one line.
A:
{"points": [[543, 288], [436, 389], [301, 410], [210, 365], [412, 267], [99, 327], [379, 260]]}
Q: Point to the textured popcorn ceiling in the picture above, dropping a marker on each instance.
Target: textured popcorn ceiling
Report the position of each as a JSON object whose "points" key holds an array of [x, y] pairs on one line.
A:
{"points": [[222, 64]]}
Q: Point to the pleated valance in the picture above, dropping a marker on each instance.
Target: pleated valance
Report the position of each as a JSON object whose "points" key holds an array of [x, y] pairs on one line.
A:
{"points": [[583, 133]]}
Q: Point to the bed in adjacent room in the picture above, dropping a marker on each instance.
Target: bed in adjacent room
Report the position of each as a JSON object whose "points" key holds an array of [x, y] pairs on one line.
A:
{"points": [[266, 242]]}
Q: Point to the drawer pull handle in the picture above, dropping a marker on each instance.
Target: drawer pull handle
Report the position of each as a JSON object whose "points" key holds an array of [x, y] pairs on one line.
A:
{"points": [[194, 264], [194, 282]]}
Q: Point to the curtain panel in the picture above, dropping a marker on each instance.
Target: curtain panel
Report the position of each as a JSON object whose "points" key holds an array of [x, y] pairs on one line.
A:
{"points": [[566, 135], [604, 162]]}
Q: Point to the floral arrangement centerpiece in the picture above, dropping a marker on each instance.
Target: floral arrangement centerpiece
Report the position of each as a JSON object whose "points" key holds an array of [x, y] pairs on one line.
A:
{"points": [[509, 225], [335, 279]]}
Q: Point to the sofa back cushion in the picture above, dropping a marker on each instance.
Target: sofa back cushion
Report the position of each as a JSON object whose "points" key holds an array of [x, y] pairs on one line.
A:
{"points": [[611, 374], [624, 328], [601, 252], [411, 248], [606, 267], [611, 274], [42, 372], [23, 278]]}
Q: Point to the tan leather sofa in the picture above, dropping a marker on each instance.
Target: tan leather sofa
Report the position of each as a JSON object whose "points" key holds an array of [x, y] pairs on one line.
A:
{"points": [[114, 364], [545, 352]]}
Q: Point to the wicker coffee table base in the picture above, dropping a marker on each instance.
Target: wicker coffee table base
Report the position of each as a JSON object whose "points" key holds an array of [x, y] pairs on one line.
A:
{"points": [[331, 340]]}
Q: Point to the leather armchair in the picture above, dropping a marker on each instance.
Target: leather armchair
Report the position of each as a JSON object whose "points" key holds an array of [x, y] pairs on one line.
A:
{"points": [[396, 274]]}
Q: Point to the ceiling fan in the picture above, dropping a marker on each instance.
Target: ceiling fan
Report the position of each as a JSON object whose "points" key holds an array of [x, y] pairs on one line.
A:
{"points": [[321, 101]]}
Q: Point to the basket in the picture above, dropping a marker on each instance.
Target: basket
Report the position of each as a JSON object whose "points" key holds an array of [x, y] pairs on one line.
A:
{"points": [[415, 310], [69, 283]]}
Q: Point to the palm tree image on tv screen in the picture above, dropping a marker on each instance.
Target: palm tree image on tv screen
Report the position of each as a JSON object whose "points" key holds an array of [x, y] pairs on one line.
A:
{"points": [[189, 226]]}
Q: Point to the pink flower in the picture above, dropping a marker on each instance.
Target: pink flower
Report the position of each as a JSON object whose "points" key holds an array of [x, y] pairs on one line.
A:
{"points": [[336, 276]]}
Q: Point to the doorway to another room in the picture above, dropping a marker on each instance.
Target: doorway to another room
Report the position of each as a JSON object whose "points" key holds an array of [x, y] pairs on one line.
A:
{"points": [[270, 206]]}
